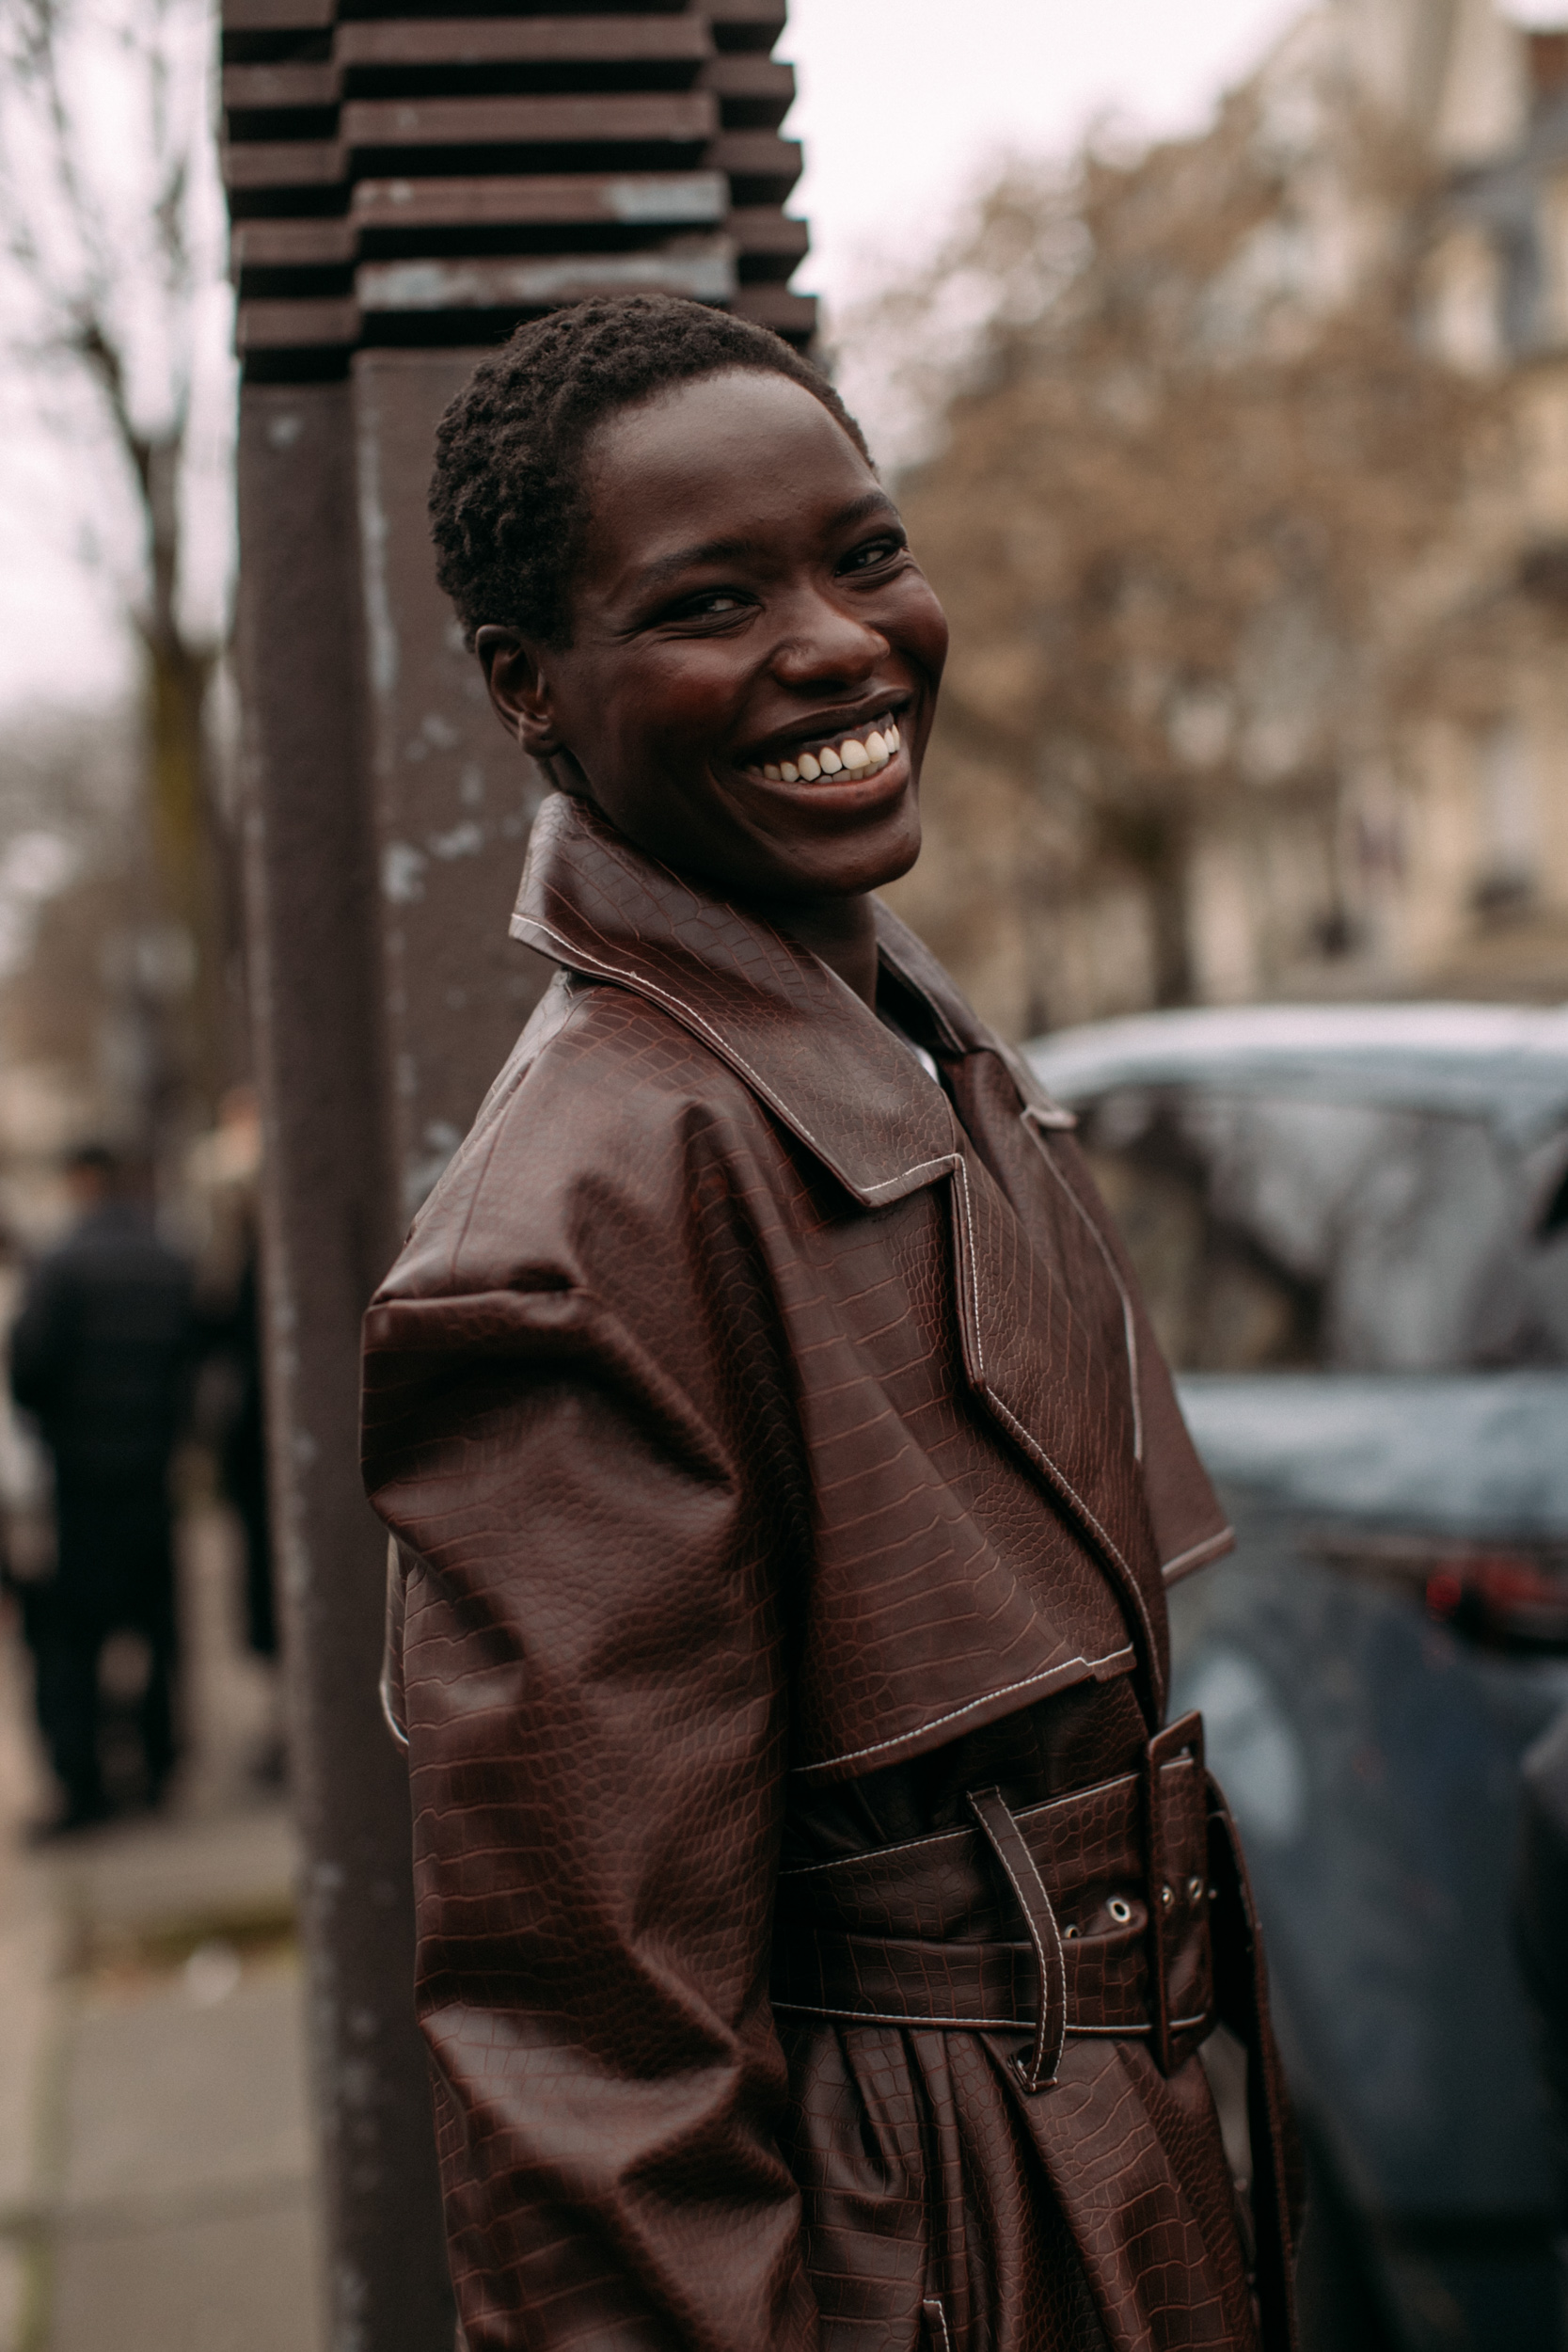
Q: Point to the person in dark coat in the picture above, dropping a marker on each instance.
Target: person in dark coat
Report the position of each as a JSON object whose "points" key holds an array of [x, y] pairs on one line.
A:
{"points": [[817, 1919], [101, 1357]]}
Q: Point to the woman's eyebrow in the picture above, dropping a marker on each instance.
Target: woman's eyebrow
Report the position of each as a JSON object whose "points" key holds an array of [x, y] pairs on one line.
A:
{"points": [[705, 551], [860, 510], [665, 567]]}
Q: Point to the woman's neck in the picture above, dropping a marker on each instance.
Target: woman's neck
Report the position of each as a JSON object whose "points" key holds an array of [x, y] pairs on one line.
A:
{"points": [[843, 931]]}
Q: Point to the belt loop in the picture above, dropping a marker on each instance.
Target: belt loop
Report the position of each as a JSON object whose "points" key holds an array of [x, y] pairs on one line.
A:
{"points": [[1006, 1842], [1185, 1733]]}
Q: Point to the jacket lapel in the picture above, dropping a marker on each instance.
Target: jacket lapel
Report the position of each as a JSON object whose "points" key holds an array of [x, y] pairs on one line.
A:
{"points": [[1044, 1320], [790, 1028], [1045, 1338]]}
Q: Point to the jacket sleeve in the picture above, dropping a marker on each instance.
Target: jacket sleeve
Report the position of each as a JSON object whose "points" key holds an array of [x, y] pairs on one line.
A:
{"points": [[593, 1697]]}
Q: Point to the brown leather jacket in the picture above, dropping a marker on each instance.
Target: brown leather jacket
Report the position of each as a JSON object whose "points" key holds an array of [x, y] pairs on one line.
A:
{"points": [[812, 1940]]}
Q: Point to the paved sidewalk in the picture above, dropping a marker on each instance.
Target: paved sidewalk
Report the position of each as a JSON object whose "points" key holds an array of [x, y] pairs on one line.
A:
{"points": [[156, 2161]]}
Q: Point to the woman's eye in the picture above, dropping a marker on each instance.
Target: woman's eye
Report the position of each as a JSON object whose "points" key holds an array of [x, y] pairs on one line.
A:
{"points": [[875, 551], [708, 604]]}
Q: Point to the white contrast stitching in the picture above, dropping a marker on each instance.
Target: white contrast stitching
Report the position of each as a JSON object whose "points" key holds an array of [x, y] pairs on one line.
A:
{"points": [[1196, 1554], [933, 2303], [1028, 1816], [640, 985], [971, 1260], [1038, 1453], [1005, 1691], [1031, 1446], [973, 2025], [954, 1836], [1042, 2063]]}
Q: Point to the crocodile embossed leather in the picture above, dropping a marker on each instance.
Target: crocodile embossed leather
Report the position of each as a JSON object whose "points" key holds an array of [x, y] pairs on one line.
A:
{"points": [[816, 1927]]}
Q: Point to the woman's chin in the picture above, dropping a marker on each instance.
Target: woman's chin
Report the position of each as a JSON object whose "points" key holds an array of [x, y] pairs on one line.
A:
{"points": [[846, 852], [871, 861]]}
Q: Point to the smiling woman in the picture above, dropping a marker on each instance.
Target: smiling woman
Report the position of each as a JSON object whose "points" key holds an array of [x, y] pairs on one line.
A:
{"points": [[726, 623], [817, 1929]]}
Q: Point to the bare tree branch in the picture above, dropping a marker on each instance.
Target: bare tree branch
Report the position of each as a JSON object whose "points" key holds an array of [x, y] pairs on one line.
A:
{"points": [[1187, 506], [58, 235], [107, 242]]}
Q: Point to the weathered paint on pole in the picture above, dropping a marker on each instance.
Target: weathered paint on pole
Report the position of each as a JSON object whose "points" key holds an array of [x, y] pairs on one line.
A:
{"points": [[452, 795]]}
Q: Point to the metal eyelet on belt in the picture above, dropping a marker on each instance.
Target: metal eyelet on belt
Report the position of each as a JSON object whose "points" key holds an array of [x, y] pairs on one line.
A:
{"points": [[1119, 1911], [1194, 1890], [1166, 1899], [1068, 1933]]}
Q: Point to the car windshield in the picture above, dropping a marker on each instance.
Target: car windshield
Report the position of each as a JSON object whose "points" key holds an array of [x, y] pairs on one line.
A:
{"points": [[1274, 1232]]}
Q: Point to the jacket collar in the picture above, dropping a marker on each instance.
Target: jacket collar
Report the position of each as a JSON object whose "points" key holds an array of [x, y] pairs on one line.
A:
{"points": [[788, 1025], [857, 1098]]}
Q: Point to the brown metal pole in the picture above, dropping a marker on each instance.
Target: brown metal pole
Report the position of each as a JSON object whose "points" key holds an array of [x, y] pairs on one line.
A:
{"points": [[330, 1227], [407, 180]]}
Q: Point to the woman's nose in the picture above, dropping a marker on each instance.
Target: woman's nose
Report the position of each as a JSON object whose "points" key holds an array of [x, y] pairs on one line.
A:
{"points": [[820, 642]]}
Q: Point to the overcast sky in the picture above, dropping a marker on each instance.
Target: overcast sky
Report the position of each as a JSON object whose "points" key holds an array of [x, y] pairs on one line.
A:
{"points": [[904, 103], [904, 106]]}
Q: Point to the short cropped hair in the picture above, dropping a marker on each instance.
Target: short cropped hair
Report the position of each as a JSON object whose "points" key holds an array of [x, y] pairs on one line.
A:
{"points": [[508, 503]]}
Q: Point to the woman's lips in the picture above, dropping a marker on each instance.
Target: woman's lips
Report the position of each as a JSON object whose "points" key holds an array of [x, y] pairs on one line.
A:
{"points": [[862, 752]]}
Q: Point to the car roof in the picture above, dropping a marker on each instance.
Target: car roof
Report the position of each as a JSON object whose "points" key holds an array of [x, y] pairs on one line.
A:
{"points": [[1505, 1063]]}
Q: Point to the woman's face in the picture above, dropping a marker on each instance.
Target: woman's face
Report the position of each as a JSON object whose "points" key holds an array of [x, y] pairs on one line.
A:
{"points": [[746, 612]]}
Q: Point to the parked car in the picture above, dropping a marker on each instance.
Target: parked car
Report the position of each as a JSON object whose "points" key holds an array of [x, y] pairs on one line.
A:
{"points": [[1351, 1226]]}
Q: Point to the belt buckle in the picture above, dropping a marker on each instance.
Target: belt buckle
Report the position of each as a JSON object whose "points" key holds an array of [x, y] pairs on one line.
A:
{"points": [[1182, 1737]]}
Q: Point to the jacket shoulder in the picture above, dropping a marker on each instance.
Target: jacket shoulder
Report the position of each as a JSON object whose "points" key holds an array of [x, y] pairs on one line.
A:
{"points": [[590, 1126]]}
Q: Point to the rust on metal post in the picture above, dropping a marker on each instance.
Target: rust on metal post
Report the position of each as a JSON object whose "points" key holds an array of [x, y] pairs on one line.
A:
{"points": [[405, 184]]}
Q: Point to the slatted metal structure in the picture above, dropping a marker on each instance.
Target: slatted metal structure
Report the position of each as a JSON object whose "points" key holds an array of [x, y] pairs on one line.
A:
{"points": [[404, 178], [404, 186]]}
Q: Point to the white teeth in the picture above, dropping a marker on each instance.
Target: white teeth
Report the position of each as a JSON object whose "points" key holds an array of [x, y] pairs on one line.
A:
{"points": [[852, 757]]}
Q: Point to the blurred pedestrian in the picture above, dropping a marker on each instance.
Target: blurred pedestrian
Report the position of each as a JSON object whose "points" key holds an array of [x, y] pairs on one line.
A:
{"points": [[100, 1357]]}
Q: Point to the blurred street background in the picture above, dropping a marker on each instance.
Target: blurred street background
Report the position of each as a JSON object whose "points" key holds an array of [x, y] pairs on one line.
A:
{"points": [[155, 2154], [1220, 357]]}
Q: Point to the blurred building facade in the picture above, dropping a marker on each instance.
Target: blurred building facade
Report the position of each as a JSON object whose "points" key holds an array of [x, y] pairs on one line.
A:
{"points": [[1283, 711], [1478, 895]]}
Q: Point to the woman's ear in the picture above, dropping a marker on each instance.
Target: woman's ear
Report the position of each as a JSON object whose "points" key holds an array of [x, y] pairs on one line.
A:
{"points": [[519, 689]]}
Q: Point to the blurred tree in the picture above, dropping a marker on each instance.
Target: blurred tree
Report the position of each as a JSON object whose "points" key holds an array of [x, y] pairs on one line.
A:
{"points": [[1192, 476], [111, 216], [73, 917]]}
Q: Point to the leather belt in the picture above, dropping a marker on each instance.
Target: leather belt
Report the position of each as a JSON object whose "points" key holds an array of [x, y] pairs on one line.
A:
{"points": [[1110, 1883]]}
